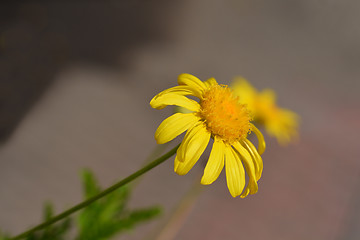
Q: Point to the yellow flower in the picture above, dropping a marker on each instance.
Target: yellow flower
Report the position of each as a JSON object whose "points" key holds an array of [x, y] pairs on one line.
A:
{"points": [[280, 123], [220, 116]]}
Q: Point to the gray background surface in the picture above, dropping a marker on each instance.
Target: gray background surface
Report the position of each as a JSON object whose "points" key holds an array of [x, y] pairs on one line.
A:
{"points": [[75, 90]]}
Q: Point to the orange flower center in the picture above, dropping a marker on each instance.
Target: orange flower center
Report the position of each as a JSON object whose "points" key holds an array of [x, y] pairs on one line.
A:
{"points": [[223, 115]]}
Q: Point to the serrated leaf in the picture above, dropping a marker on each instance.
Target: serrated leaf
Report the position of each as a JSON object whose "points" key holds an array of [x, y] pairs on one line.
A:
{"points": [[109, 215], [90, 185], [56, 231]]}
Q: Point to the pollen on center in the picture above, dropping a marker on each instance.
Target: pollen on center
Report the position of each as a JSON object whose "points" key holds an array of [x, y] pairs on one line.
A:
{"points": [[223, 115]]}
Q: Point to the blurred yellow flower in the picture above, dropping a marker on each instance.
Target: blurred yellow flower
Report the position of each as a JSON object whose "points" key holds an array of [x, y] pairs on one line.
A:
{"points": [[220, 116], [278, 122]]}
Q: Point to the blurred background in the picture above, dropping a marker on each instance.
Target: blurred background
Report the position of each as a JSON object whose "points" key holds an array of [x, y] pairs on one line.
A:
{"points": [[76, 79]]}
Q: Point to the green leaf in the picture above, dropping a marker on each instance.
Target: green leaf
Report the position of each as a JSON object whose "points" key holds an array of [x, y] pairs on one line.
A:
{"points": [[53, 232], [101, 220], [109, 215], [4, 236], [90, 185]]}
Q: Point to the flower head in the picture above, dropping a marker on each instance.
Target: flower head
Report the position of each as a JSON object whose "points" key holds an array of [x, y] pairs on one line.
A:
{"points": [[218, 115], [278, 122]]}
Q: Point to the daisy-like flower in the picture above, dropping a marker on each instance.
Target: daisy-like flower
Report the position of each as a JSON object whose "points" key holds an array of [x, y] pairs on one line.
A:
{"points": [[220, 116], [278, 122]]}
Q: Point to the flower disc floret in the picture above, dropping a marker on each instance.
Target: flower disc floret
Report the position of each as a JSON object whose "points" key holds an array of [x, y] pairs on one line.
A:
{"points": [[224, 116]]}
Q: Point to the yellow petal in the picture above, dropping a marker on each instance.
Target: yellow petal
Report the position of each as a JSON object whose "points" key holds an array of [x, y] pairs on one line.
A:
{"points": [[196, 84], [173, 126], [181, 90], [268, 96], [190, 150], [189, 136], [245, 192], [163, 100], [258, 163], [176, 162], [235, 173], [261, 145], [246, 157], [283, 125], [250, 169], [215, 163], [246, 92], [210, 82]]}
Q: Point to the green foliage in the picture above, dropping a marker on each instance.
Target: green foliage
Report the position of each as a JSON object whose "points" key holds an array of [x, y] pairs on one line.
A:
{"points": [[101, 220], [55, 231], [109, 215], [3, 236]]}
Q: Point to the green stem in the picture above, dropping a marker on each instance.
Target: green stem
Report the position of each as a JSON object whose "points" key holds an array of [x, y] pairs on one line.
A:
{"points": [[87, 202]]}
